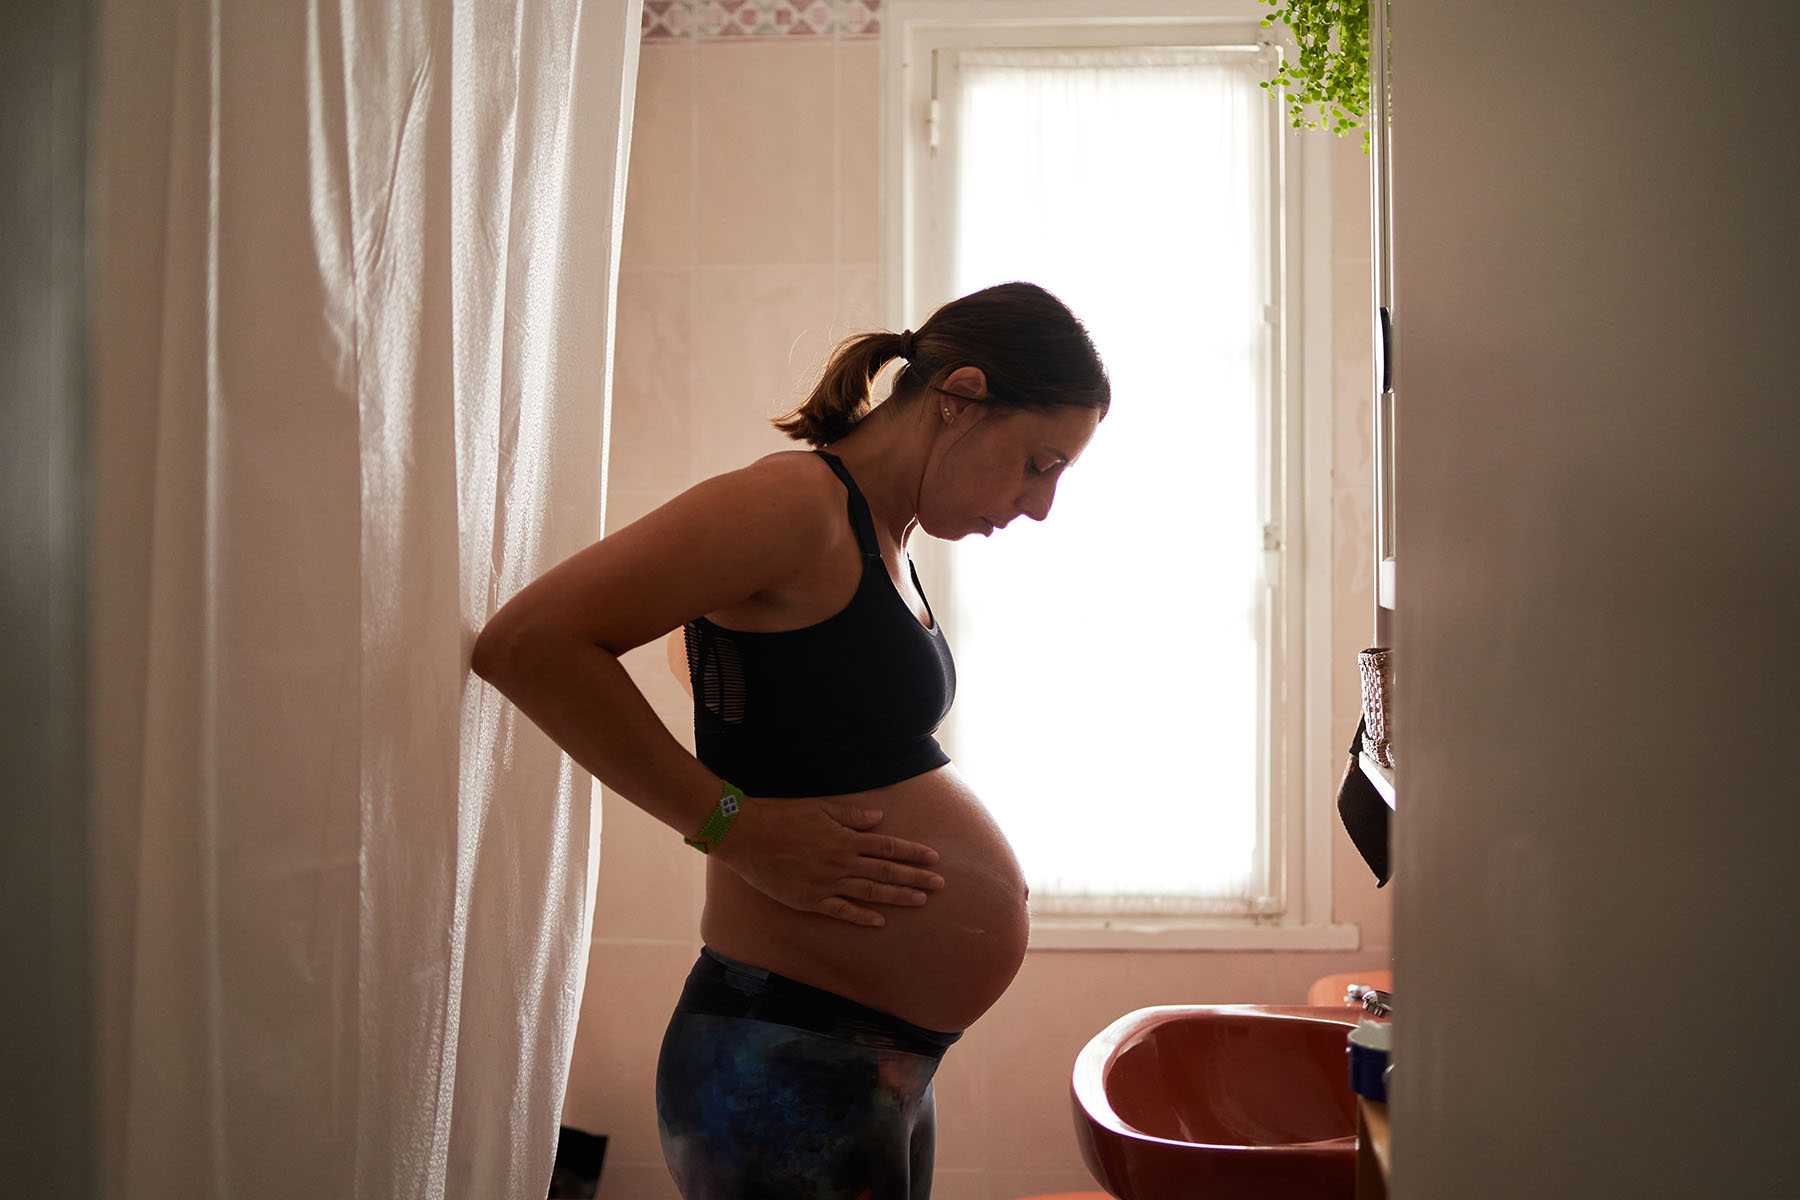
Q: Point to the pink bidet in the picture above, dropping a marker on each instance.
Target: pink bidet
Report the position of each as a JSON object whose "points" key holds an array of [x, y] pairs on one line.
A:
{"points": [[1219, 1102]]}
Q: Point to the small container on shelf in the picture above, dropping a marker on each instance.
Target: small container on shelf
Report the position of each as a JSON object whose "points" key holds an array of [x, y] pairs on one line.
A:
{"points": [[1369, 1044]]}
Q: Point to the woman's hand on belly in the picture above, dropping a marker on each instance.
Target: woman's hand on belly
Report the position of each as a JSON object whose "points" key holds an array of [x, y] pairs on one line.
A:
{"points": [[940, 965], [819, 856]]}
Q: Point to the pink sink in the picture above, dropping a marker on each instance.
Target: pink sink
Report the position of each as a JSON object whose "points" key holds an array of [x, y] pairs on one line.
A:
{"points": [[1218, 1102]]}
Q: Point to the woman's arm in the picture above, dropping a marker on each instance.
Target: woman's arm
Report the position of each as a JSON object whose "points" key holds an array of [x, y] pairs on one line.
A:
{"points": [[554, 649]]}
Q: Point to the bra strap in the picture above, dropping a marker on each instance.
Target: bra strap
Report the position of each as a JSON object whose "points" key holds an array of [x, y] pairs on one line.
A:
{"points": [[860, 520]]}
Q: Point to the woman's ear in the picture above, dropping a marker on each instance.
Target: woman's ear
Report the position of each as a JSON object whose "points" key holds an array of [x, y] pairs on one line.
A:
{"points": [[967, 384]]}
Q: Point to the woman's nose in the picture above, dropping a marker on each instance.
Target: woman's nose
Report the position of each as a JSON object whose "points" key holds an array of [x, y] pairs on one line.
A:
{"points": [[1037, 502]]}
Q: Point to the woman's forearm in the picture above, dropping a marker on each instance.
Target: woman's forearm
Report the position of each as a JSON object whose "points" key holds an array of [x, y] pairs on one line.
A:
{"points": [[581, 695], [818, 857]]}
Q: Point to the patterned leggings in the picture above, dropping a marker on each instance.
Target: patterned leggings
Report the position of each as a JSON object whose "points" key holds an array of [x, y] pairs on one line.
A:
{"points": [[768, 1089]]}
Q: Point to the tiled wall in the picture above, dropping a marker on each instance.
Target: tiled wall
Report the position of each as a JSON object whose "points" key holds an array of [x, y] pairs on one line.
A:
{"points": [[666, 20], [751, 246]]}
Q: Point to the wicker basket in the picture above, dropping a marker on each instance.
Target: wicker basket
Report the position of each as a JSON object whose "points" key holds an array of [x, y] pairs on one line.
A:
{"points": [[1376, 665]]}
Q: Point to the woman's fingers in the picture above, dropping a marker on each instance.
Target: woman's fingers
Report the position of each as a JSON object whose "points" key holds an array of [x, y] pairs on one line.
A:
{"points": [[886, 846], [843, 910], [879, 845], [885, 870], [823, 859], [852, 815], [880, 893]]}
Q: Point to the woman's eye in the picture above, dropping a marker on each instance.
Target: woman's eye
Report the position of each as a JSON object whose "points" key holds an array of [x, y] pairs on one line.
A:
{"points": [[1031, 468]]}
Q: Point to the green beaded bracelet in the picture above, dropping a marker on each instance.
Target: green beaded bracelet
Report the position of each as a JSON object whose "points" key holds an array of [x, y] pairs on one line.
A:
{"points": [[719, 823]]}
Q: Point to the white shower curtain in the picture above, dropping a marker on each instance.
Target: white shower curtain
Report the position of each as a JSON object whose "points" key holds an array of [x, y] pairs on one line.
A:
{"points": [[353, 269]]}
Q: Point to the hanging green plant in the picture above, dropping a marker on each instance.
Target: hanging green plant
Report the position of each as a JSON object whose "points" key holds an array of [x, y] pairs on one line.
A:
{"points": [[1326, 81]]}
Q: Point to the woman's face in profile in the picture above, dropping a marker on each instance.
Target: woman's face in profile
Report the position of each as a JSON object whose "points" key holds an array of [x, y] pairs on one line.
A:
{"points": [[994, 464]]}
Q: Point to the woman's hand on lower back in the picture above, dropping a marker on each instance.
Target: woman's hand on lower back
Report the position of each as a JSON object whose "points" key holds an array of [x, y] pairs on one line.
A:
{"points": [[822, 857]]}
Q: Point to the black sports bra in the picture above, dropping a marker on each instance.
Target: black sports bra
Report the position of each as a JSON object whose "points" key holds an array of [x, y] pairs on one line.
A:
{"points": [[845, 705]]}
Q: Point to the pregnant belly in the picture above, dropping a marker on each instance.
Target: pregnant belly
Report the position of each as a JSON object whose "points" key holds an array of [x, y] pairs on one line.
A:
{"points": [[940, 965]]}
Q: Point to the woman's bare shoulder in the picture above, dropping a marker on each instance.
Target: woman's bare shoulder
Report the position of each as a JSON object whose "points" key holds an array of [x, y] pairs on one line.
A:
{"points": [[718, 543], [795, 489], [801, 470]]}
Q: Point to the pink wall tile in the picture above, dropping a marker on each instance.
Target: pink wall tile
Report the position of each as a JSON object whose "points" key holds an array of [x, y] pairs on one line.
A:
{"points": [[649, 882], [957, 1183], [667, 20], [798, 19], [652, 375], [859, 303], [964, 1099], [859, 152], [631, 990], [860, 18], [766, 173], [742, 20], [636, 1181], [761, 334], [1030, 1041], [1009, 1185], [659, 188]]}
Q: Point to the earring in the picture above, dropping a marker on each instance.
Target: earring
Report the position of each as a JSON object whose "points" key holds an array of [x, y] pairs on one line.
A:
{"points": [[947, 415]]}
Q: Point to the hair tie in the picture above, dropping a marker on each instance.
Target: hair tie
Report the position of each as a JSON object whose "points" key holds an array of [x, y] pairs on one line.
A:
{"points": [[906, 345]]}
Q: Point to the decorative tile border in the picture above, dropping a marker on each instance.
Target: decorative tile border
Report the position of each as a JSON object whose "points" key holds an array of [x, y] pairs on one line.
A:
{"points": [[738, 20]]}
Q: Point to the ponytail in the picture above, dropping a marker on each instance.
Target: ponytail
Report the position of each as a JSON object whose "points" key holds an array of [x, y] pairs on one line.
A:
{"points": [[841, 398], [1035, 354]]}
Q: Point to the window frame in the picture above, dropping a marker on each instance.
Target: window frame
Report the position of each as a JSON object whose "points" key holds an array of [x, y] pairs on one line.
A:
{"points": [[1297, 914]]}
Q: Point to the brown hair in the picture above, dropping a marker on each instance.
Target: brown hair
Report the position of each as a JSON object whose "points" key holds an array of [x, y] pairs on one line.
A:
{"points": [[1034, 352]]}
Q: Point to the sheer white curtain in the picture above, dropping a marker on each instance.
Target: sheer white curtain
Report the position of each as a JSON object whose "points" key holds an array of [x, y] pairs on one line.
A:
{"points": [[353, 265], [1113, 661]]}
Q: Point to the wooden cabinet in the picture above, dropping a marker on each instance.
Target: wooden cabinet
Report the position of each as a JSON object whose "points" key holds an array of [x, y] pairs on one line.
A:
{"points": [[1371, 1149]]}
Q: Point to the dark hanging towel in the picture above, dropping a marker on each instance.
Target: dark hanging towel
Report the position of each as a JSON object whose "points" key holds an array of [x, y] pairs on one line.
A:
{"points": [[1365, 814]]}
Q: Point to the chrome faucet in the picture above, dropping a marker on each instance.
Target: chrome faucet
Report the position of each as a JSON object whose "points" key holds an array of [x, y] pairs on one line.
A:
{"points": [[1375, 1002]]}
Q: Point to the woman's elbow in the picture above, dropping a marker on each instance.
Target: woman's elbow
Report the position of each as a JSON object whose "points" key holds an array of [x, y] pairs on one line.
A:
{"points": [[496, 649], [523, 644]]}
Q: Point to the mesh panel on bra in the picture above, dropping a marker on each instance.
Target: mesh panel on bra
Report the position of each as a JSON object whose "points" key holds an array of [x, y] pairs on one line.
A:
{"points": [[716, 672]]}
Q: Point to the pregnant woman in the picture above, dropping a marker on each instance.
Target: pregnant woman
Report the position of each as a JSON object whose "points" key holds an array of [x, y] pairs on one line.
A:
{"points": [[861, 906]]}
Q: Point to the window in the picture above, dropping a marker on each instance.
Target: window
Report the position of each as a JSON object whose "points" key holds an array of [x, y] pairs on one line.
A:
{"points": [[1133, 705]]}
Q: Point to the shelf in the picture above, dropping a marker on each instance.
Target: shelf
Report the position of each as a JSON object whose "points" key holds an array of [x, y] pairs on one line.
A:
{"points": [[1382, 777]]}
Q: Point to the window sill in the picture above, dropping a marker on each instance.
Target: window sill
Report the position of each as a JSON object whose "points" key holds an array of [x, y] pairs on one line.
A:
{"points": [[1186, 933]]}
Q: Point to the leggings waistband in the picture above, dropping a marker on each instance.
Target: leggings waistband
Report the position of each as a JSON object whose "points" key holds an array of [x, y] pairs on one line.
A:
{"points": [[724, 987]]}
